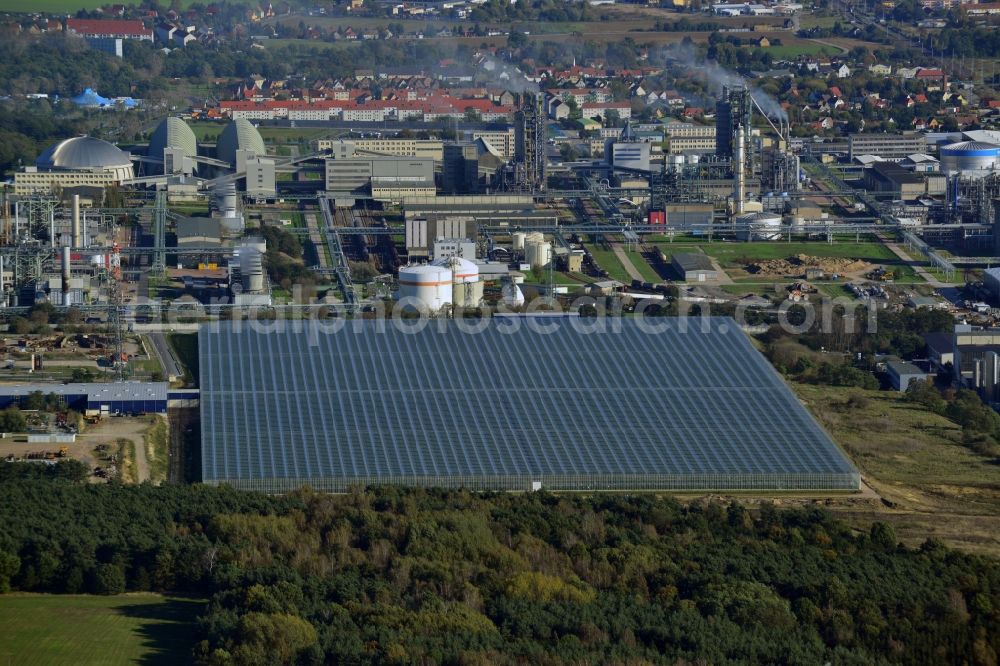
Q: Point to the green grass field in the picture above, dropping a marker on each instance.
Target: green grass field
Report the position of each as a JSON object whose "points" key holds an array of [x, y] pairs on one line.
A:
{"points": [[814, 20], [185, 346], [78, 630], [607, 260]]}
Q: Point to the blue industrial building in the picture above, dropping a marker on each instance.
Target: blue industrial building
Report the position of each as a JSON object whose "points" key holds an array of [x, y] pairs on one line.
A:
{"points": [[110, 398]]}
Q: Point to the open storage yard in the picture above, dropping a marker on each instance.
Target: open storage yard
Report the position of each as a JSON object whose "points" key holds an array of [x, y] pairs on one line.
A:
{"points": [[741, 260]]}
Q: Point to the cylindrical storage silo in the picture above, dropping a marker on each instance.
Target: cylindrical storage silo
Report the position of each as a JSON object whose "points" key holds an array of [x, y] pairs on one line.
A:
{"points": [[538, 254], [226, 199], [970, 158], [517, 240], [467, 290], [252, 271], [533, 237], [431, 286]]}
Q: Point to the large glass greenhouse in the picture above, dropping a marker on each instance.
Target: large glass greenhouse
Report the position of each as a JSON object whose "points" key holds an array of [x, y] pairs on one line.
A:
{"points": [[567, 404]]}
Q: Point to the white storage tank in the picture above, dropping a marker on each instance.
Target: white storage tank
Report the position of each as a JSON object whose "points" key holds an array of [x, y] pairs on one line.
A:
{"points": [[972, 158], [467, 289], [538, 254], [517, 240], [430, 285], [758, 226], [463, 270]]}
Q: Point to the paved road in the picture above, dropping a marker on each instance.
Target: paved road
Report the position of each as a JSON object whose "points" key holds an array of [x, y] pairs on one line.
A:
{"points": [[316, 236], [626, 262], [909, 261], [161, 348]]}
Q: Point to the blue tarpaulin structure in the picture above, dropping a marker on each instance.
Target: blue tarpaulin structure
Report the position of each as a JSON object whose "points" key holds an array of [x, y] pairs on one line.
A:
{"points": [[90, 98]]}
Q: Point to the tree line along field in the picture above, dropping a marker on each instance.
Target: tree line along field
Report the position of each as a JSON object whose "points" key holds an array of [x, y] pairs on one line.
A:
{"points": [[77, 630], [398, 576]]}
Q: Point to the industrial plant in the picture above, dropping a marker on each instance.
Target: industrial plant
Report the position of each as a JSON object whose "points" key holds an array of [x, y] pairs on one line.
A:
{"points": [[376, 223]]}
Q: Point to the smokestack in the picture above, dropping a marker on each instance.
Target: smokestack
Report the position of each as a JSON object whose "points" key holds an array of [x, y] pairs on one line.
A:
{"points": [[738, 157], [3, 300], [65, 273], [77, 242]]}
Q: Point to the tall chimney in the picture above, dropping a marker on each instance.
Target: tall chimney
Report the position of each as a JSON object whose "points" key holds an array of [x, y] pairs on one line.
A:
{"points": [[77, 242], [738, 156], [65, 273]]}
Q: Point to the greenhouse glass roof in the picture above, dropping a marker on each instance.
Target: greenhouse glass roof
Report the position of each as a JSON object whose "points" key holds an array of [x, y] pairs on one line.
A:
{"points": [[556, 403]]}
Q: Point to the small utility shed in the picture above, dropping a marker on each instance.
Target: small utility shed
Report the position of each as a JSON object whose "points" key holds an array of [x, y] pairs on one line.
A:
{"points": [[901, 374], [693, 267]]}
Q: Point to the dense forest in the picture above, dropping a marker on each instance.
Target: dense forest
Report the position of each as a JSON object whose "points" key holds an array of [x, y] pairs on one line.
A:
{"points": [[449, 577]]}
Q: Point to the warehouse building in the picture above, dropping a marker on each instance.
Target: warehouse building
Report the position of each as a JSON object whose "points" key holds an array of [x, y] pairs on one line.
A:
{"points": [[693, 267], [400, 147], [385, 178], [109, 398], [518, 404], [886, 146], [892, 178]]}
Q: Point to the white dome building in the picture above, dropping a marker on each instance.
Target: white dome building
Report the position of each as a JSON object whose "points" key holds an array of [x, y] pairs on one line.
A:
{"points": [[76, 162], [174, 143], [238, 141]]}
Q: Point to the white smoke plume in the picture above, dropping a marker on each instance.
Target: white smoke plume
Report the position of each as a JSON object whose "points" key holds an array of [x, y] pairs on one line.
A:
{"points": [[717, 77], [499, 74]]}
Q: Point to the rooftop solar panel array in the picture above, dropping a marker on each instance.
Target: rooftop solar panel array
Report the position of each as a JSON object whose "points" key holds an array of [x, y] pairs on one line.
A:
{"points": [[503, 409]]}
